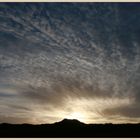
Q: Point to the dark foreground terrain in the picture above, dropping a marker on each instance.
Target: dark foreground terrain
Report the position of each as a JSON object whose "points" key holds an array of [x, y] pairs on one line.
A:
{"points": [[70, 128]]}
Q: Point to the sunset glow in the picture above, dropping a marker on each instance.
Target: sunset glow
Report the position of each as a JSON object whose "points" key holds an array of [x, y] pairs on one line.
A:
{"points": [[76, 115]]}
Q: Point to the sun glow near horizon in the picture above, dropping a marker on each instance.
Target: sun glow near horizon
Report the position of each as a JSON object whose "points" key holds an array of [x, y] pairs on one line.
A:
{"points": [[77, 115], [85, 110]]}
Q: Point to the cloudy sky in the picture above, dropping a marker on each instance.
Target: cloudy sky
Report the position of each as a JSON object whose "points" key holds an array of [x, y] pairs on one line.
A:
{"points": [[69, 60]]}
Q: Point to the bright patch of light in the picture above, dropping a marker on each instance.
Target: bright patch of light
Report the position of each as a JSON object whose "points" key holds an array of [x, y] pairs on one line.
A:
{"points": [[76, 115]]}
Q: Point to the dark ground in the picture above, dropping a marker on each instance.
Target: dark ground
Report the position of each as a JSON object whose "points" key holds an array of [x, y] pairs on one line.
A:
{"points": [[70, 128]]}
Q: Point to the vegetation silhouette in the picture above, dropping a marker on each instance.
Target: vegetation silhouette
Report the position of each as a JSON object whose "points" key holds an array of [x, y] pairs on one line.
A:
{"points": [[69, 129]]}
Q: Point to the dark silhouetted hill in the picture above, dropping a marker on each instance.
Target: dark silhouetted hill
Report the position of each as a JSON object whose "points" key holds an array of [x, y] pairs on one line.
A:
{"points": [[69, 128], [69, 122]]}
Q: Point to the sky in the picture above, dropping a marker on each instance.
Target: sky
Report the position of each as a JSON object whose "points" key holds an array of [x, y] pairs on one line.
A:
{"points": [[69, 60]]}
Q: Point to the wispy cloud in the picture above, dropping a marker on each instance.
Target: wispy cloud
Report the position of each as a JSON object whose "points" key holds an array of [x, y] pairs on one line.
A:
{"points": [[61, 58]]}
